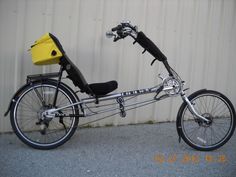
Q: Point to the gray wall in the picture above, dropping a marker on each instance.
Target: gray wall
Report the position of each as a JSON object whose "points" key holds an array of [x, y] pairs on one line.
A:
{"points": [[197, 36]]}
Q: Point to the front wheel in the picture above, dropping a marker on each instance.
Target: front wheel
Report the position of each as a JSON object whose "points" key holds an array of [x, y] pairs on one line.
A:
{"points": [[29, 123], [203, 135]]}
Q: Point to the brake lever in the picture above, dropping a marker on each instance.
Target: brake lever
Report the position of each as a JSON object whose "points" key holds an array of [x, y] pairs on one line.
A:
{"points": [[116, 39]]}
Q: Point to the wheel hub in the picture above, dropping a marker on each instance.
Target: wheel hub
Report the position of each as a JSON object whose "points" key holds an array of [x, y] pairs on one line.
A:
{"points": [[209, 117]]}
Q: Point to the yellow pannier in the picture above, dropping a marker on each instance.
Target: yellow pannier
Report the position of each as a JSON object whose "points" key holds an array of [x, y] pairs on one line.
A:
{"points": [[45, 51]]}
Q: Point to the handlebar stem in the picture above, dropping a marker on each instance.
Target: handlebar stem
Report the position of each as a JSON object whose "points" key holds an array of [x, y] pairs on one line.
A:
{"points": [[167, 66]]}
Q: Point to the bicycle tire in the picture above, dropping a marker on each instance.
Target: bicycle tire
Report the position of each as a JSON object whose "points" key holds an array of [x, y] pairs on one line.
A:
{"points": [[34, 126], [219, 117]]}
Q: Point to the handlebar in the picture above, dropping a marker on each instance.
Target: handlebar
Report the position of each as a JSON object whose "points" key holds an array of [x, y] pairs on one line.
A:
{"points": [[118, 27], [125, 29], [122, 30]]}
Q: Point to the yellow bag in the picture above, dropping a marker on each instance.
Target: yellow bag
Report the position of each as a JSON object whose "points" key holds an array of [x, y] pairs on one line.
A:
{"points": [[45, 51]]}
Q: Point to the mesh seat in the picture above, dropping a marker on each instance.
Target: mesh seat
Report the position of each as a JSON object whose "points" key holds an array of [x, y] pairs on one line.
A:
{"points": [[97, 89]]}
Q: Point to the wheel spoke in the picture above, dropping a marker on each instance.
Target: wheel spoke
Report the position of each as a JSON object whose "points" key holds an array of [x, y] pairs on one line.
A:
{"points": [[212, 134], [35, 128]]}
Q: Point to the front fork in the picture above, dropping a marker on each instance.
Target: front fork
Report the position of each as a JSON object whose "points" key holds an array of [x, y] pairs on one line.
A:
{"points": [[191, 108]]}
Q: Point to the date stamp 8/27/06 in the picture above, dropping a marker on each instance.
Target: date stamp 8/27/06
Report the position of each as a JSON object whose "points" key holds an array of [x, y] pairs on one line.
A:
{"points": [[189, 158]]}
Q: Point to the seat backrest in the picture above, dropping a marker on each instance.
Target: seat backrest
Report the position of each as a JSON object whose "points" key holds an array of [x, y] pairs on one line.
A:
{"points": [[73, 72], [75, 75]]}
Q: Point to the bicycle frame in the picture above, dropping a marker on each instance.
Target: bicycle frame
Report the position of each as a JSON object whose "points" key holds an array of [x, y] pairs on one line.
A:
{"points": [[116, 96], [119, 97]]}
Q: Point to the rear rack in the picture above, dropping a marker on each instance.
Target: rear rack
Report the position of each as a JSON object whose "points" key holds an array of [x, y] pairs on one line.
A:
{"points": [[36, 77]]}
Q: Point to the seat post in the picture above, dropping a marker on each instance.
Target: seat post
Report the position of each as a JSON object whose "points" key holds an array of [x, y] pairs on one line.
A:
{"points": [[58, 84]]}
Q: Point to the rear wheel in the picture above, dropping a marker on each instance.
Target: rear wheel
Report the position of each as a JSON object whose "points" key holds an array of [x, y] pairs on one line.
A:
{"points": [[29, 123], [203, 135]]}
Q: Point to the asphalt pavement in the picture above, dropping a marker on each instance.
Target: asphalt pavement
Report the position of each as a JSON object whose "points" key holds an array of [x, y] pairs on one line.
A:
{"points": [[134, 150]]}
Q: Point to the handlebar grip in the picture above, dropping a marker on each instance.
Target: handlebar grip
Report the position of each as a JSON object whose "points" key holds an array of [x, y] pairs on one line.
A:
{"points": [[118, 27], [147, 44]]}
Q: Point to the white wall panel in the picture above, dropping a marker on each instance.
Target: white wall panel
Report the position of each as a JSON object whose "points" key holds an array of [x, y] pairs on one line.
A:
{"points": [[197, 36]]}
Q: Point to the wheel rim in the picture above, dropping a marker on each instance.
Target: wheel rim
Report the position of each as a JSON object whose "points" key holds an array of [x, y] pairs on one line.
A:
{"points": [[28, 112], [220, 116]]}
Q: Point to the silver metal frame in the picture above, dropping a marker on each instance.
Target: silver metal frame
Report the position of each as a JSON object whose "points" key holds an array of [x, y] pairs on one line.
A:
{"points": [[122, 108], [157, 89]]}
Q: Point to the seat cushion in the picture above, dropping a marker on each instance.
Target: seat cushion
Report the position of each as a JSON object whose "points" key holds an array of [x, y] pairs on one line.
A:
{"points": [[100, 89]]}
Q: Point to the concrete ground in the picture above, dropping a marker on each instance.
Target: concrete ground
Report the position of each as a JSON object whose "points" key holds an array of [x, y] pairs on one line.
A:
{"points": [[133, 150]]}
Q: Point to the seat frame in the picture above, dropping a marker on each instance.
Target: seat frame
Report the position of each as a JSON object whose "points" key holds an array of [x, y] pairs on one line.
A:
{"points": [[94, 89]]}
